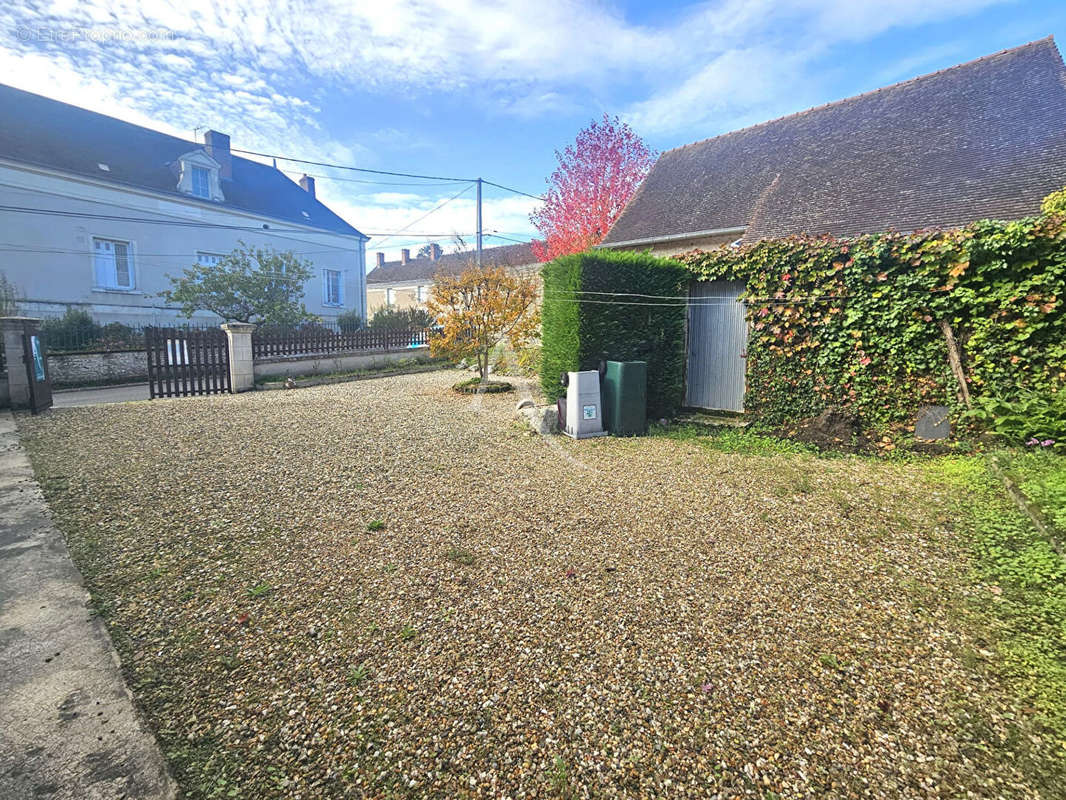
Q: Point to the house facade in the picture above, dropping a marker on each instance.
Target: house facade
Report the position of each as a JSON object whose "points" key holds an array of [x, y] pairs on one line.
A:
{"points": [[982, 140], [406, 283], [95, 213]]}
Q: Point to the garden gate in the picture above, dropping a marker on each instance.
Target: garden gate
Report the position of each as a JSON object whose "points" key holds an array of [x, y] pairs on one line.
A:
{"points": [[187, 361], [717, 346]]}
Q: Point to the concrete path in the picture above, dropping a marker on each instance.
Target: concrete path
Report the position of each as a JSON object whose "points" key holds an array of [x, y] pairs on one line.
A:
{"points": [[68, 398], [68, 728]]}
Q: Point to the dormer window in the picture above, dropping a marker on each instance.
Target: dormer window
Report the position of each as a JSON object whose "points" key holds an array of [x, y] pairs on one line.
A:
{"points": [[201, 182], [198, 176]]}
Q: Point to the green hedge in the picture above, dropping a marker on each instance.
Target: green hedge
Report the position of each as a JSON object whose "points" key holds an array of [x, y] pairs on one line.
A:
{"points": [[593, 309], [856, 323]]}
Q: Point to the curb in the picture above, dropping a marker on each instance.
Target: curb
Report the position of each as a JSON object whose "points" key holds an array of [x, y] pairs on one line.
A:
{"points": [[304, 383]]}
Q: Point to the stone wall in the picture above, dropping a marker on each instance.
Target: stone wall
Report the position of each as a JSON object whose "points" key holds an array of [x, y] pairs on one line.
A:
{"points": [[333, 362], [80, 369]]}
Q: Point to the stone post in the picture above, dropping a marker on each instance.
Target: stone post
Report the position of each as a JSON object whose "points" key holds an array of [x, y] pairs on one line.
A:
{"points": [[18, 381], [241, 366]]}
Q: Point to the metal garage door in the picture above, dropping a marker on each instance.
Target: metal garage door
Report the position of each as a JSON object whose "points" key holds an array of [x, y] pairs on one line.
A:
{"points": [[717, 346]]}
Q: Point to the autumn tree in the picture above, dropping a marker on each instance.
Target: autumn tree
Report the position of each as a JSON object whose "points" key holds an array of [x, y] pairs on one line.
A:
{"points": [[251, 284], [595, 178], [480, 308]]}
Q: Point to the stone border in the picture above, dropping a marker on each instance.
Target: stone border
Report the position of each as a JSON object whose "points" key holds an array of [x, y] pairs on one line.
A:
{"points": [[1027, 507], [68, 724], [325, 380]]}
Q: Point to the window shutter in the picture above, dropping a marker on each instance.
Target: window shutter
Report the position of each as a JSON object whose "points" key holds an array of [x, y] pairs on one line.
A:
{"points": [[123, 270], [325, 287]]}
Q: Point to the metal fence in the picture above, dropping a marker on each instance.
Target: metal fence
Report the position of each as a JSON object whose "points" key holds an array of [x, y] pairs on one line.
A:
{"points": [[114, 337], [324, 340]]}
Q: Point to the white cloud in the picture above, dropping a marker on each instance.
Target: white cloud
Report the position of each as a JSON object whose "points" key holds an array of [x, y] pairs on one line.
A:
{"points": [[378, 217], [243, 66]]}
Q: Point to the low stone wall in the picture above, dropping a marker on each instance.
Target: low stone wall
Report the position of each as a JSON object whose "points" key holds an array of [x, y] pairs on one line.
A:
{"points": [[81, 369], [333, 362]]}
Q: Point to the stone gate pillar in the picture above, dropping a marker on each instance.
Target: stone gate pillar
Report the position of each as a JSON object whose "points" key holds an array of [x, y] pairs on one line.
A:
{"points": [[241, 365], [18, 381]]}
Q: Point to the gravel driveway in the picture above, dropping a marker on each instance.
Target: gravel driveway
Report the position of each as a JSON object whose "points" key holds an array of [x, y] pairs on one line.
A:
{"points": [[383, 589]]}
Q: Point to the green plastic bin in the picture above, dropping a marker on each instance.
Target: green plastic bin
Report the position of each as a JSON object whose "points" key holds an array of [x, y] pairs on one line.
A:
{"points": [[625, 398]]}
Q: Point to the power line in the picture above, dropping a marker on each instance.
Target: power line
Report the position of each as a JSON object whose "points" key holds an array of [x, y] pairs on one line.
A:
{"points": [[431, 211], [196, 224], [449, 179], [354, 169], [507, 238], [381, 183], [516, 191], [11, 247]]}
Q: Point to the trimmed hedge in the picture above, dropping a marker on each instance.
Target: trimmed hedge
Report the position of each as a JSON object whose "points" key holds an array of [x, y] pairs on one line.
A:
{"points": [[857, 323], [592, 310]]}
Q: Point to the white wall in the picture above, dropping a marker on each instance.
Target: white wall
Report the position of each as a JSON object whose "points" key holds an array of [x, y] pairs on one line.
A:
{"points": [[49, 258]]}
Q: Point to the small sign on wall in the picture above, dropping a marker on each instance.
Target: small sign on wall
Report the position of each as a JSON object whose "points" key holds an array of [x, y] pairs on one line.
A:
{"points": [[38, 358], [588, 412]]}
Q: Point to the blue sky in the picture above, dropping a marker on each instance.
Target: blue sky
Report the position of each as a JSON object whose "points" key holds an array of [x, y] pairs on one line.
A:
{"points": [[454, 87]]}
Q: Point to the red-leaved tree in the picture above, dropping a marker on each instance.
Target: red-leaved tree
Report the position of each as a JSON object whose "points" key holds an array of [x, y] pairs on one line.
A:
{"points": [[595, 178]]}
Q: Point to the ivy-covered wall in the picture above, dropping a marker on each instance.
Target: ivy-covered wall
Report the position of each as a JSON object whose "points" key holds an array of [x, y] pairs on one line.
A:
{"points": [[597, 305], [856, 323]]}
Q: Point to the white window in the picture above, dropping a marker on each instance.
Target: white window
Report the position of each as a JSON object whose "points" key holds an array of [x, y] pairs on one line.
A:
{"points": [[332, 294], [209, 259], [390, 297], [201, 182], [112, 264], [423, 293]]}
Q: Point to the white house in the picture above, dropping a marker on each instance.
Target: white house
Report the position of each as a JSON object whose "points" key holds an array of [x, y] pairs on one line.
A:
{"points": [[96, 212]]}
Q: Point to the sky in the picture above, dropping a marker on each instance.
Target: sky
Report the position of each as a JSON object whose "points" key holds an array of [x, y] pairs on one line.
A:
{"points": [[461, 89]]}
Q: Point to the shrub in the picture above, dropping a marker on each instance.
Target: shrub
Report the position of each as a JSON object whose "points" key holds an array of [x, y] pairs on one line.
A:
{"points": [[1032, 419], [8, 297], [401, 319], [350, 321], [593, 310], [75, 330]]}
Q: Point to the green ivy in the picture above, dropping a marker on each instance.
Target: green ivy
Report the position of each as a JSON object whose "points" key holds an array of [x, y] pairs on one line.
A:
{"points": [[856, 323]]}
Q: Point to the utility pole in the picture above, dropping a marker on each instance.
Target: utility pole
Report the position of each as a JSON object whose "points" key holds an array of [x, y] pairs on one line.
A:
{"points": [[479, 223]]}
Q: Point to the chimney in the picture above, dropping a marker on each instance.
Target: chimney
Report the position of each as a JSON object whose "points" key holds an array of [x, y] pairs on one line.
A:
{"points": [[307, 183], [405, 256], [381, 259], [217, 146], [434, 251]]}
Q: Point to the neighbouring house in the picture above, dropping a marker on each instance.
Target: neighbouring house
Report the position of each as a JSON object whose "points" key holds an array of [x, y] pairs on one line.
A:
{"points": [[985, 139], [95, 212], [406, 283]]}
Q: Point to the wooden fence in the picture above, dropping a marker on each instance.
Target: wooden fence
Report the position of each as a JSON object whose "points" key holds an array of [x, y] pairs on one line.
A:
{"points": [[324, 341], [186, 361]]}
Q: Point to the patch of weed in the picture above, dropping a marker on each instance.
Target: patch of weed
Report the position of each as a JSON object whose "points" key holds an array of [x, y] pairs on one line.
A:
{"points": [[731, 440], [375, 525], [1015, 565], [358, 674], [461, 555], [259, 590]]}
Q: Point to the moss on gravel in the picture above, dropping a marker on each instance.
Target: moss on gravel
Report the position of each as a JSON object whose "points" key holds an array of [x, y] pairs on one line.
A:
{"points": [[636, 617]]}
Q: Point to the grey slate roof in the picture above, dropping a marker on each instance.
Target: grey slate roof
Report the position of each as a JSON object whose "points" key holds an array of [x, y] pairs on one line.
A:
{"points": [[423, 269], [985, 139], [46, 133]]}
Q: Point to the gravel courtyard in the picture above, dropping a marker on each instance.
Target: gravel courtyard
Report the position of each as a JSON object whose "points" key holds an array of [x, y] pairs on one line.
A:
{"points": [[383, 589]]}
